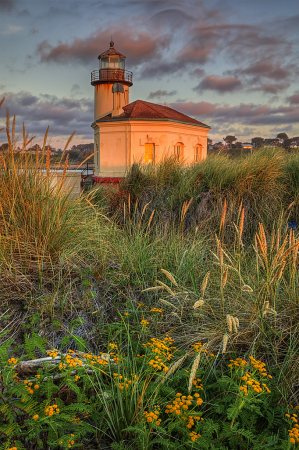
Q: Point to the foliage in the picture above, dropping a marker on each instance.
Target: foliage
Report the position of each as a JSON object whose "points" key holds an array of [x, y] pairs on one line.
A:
{"points": [[138, 393]]}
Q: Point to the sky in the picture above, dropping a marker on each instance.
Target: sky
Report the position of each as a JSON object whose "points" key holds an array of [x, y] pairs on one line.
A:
{"points": [[232, 64]]}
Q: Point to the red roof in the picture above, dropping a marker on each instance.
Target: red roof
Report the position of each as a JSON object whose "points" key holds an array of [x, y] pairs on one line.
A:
{"points": [[146, 110]]}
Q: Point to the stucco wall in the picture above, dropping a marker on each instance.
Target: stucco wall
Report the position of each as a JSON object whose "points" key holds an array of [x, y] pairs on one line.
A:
{"points": [[123, 143]]}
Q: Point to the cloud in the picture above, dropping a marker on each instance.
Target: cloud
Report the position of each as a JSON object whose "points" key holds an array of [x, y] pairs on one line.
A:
{"points": [[271, 88], [75, 89], [161, 93], [294, 99], [7, 5], [247, 114], [138, 47], [32, 31], [11, 29], [269, 69], [219, 84], [63, 115]]}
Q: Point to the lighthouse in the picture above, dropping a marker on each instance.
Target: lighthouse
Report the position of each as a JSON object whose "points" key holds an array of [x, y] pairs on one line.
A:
{"points": [[111, 82], [140, 131]]}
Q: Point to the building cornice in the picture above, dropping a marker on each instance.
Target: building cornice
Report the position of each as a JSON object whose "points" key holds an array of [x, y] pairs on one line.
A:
{"points": [[125, 119]]}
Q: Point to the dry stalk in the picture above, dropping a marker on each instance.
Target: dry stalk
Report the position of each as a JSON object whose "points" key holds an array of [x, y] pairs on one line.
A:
{"points": [[269, 311], [169, 276], [150, 219], [155, 288], [246, 288], [234, 323], [185, 208], [229, 323], [194, 369], [143, 211], [204, 283], [174, 367], [224, 279], [168, 304], [241, 224], [224, 343], [219, 252], [166, 287], [198, 304], [222, 221]]}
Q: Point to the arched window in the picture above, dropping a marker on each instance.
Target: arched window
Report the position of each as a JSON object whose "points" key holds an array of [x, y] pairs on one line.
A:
{"points": [[198, 153], [149, 153], [178, 150]]}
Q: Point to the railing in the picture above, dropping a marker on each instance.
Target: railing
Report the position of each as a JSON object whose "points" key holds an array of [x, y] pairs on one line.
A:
{"points": [[88, 170], [115, 75]]}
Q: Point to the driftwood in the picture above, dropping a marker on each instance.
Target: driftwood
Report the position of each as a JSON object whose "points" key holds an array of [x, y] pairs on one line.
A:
{"points": [[31, 367]]}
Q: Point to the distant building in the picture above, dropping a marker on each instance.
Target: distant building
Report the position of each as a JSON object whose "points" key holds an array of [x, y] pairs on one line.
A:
{"points": [[125, 132]]}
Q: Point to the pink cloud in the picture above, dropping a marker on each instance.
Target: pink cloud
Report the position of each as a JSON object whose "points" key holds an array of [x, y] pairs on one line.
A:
{"points": [[219, 84]]}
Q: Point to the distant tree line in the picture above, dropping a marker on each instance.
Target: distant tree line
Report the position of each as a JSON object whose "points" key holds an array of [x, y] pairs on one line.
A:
{"points": [[281, 140], [76, 153]]}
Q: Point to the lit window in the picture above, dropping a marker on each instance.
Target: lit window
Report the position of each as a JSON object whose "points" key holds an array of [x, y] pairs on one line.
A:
{"points": [[198, 153], [178, 151], [149, 153]]}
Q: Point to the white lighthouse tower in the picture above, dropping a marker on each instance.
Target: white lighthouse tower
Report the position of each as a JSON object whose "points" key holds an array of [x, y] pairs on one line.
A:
{"points": [[112, 83], [111, 72]]}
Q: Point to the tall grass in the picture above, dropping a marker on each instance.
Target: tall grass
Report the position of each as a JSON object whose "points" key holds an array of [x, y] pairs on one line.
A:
{"points": [[43, 227], [265, 182], [222, 220]]}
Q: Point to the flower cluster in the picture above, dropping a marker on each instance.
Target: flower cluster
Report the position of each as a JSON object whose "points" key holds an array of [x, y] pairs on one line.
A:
{"points": [[182, 403], [103, 359], [13, 448], [70, 361], [115, 354], [191, 419], [53, 353], [238, 363], [198, 348], [197, 383], [156, 310], [260, 366], [162, 352], [71, 442], [144, 322], [294, 431], [51, 410], [253, 384], [194, 436], [158, 364], [12, 361], [123, 382], [152, 415], [29, 389]]}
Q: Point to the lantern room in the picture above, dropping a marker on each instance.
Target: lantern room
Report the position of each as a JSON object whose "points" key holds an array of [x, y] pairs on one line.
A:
{"points": [[111, 71]]}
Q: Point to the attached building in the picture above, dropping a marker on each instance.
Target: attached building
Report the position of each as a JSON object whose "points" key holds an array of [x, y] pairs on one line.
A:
{"points": [[140, 131]]}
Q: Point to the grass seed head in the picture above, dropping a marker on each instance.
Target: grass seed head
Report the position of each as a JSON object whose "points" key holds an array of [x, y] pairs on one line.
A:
{"points": [[193, 370], [224, 343], [198, 304], [174, 367], [234, 324], [224, 279], [169, 276], [247, 288], [229, 323], [204, 283]]}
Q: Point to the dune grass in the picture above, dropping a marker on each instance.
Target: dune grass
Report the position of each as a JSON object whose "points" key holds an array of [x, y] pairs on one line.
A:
{"points": [[202, 253]]}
